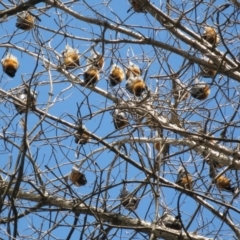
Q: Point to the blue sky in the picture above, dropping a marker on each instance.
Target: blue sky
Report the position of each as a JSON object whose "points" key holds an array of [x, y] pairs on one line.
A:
{"points": [[58, 151]]}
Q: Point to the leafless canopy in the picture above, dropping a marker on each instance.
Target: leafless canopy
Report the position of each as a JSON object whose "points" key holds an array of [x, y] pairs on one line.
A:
{"points": [[89, 154]]}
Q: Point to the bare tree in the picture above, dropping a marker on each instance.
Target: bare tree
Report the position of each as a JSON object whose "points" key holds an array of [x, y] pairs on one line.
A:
{"points": [[120, 120]]}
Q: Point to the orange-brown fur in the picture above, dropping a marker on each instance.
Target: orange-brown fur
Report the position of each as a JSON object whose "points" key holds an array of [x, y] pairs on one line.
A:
{"points": [[71, 59], [91, 76], [138, 87], [200, 93], [25, 21], [82, 137], [133, 71], [77, 178], [10, 65], [210, 35], [186, 182], [224, 183], [157, 146], [185, 179], [116, 76]]}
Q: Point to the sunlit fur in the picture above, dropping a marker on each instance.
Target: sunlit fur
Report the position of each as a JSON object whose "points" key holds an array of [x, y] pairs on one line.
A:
{"points": [[91, 76], [184, 179], [10, 65], [200, 91], [71, 57], [224, 183], [96, 60], [136, 86], [116, 75], [24, 97], [77, 178], [211, 35], [25, 21], [133, 71]]}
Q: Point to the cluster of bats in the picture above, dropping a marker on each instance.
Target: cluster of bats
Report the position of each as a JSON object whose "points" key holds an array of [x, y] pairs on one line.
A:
{"points": [[185, 180], [130, 202], [134, 85], [134, 82]]}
